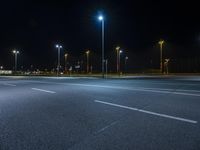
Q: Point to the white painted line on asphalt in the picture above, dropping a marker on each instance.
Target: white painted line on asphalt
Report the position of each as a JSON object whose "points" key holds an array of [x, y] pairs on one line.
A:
{"points": [[163, 83], [106, 127], [141, 89], [36, 89], [171, 90], [183, 90], [148, 112], [9, 84], [186, 94], [153, 90]]}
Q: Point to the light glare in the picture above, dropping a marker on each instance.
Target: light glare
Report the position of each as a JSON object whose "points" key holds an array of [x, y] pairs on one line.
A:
{"points": [[117, 48], [100, 18], [58, 46]]}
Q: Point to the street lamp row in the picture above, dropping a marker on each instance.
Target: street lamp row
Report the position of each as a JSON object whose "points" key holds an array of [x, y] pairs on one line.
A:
{"points": [[66, 55], [101, 18]]}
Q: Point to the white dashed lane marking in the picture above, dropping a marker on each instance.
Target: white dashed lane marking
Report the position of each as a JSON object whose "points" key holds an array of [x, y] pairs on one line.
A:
{"points": [[148, 112], [42, 90], [7, 84]]}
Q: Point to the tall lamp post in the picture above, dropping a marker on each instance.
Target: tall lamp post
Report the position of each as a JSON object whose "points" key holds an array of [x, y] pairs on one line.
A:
{"points": [[15, 52], [161, 42], [106, 67], [117, 49], [66, 61], [119, 60], [101, 18], [87, 54], [125, 62], [58, 66], [166, 63]]}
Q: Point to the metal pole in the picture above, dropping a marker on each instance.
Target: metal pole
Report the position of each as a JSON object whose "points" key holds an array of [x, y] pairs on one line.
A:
{"points": [[65, 62], [16, 62], [125, 66], [87, 62], [167, 68], [103, 48], [161, 61], [106, 68], [117, 60], [58, 67], [119, 63]]}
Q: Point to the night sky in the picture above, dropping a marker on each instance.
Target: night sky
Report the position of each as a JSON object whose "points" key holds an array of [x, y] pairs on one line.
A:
{"points": [[34, 27]]}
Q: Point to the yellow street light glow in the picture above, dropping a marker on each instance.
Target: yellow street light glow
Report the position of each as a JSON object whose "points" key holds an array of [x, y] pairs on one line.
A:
{"points": [[161, 42], [117, 48], [87, 52]]}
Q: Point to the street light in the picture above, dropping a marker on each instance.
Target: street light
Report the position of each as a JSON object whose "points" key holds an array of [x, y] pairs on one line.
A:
{"points": [[166, 65], [58, 67], [106, 61], [161, 42], [66, 61], [101, 18], [15, 52], [126, 59], [117, 49], [87, 53], [119, 59]]}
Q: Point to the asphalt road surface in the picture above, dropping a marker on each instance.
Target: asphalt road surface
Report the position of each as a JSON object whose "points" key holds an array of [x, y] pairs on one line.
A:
{"points": [[145, 113]]}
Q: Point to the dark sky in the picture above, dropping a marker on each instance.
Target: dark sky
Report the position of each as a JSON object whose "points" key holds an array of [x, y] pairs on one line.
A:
{"points": [[34, 27]]}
